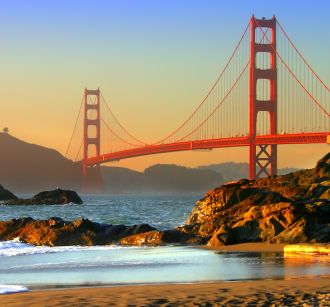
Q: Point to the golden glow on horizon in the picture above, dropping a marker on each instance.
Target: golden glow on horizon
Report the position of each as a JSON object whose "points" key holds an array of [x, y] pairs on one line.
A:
{"points": [[153, 68]]}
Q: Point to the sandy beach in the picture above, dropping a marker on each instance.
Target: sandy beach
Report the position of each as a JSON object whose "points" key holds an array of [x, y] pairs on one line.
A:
{"points": [[302, 292]]}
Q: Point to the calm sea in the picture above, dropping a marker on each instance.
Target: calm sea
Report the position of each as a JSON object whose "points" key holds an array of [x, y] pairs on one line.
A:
{"points": [[163, 211], [31, 266]]}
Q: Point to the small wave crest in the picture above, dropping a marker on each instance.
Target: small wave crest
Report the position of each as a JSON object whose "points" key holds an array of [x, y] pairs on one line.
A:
{"points": [[18, 248], [5, 289]]}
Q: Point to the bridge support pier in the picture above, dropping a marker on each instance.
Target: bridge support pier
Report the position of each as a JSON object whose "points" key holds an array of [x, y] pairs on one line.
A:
{"points": [[263, 160], [263, 157], [92, 179]]}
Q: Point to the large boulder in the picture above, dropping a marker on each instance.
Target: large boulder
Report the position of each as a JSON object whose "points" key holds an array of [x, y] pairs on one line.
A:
{"points": [[6, 195], [54, 197], [293, 208]]}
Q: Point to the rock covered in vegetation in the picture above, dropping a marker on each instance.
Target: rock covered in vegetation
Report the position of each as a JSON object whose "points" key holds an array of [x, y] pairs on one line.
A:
{"points": [[293, 208], [6, 195], [57, 232], [54, 197]]}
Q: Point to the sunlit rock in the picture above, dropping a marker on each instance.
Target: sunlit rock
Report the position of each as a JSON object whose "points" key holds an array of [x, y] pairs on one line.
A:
{"points": [[281, 209]]}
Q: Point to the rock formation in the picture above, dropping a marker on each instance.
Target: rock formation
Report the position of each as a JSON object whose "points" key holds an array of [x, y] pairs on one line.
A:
{"points": [[293, 208], [55, 197], [6, 195], [155, 238], [57, 232]]}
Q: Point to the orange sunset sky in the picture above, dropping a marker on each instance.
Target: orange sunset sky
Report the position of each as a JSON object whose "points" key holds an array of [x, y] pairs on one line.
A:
{"points": [[153, 61]]}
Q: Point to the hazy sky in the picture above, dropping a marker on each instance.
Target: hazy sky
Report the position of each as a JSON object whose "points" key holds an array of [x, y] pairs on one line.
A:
{"points": [[153, 60]]}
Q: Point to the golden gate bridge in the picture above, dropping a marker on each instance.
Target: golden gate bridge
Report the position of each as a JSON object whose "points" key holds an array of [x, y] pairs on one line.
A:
{"points": [[266, 95]]}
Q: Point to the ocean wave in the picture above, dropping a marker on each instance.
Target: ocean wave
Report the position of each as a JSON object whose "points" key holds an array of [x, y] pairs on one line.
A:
{"points": [[18, 248], [5, 289], [89, 266]]}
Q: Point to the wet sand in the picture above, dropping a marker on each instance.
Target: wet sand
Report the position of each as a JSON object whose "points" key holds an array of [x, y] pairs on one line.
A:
{"points": [[302, 292]]}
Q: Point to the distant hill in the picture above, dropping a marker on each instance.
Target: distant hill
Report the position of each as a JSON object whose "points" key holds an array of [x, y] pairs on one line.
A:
{"points": [[234, 171], [29, 168], [287, 170], [121, 180], [160, 178]]}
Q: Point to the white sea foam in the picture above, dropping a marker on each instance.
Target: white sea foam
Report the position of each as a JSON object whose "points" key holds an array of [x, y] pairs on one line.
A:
{"points": [[17, 248], [5, 289]]}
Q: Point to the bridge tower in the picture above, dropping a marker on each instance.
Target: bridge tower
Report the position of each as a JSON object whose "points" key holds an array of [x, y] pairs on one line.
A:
{"points": [[263, 158], [92, 140]]}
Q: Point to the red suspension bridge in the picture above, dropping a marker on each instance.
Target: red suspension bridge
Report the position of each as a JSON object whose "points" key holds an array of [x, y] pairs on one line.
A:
{"points": [[266, 95]]}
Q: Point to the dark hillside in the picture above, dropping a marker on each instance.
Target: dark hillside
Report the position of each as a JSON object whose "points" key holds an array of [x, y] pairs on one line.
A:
{"points": [[28, 167]]}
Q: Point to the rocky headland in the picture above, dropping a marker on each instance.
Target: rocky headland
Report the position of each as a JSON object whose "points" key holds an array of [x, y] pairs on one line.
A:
{"points": [[293, 208], [6, 195], [54, 197]]}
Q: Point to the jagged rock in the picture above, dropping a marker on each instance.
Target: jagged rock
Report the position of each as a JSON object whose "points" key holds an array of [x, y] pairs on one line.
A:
{"points": [[54, 197], [284, 209], [322, 169], [57, 232], [156, 238], [5, 194], [222, 236]]}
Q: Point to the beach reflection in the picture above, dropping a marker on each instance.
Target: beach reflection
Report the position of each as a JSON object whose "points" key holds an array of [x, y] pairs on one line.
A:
{"points": [[171, 264], [308, 265]]}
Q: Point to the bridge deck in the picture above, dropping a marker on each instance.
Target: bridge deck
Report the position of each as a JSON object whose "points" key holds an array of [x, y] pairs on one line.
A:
{"points": [[280, 139]]}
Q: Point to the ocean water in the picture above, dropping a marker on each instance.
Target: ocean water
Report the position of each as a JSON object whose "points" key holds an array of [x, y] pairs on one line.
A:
{"points": [[23, 266], [163, 211]]}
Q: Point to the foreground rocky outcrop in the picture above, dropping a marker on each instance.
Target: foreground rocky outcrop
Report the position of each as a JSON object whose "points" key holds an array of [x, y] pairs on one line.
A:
{"points": [[293, 208], [57, 232], [156, 237], [54, 197]]}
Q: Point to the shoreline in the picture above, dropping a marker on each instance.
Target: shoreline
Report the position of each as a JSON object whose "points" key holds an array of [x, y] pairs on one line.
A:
{"points": [[36, 288], [260, 292]]}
